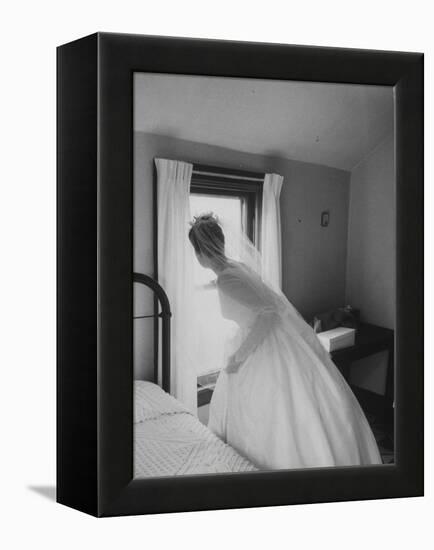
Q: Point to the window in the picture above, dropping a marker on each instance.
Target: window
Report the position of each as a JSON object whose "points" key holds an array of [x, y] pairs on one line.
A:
{"points": [[243, 187], [236, 197]]}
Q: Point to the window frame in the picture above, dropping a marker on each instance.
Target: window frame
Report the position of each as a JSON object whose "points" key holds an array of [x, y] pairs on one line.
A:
{"points": [[219, 181]]}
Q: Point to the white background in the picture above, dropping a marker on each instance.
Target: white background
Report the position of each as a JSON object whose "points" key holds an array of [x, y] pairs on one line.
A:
{"points": [[30, 31]]}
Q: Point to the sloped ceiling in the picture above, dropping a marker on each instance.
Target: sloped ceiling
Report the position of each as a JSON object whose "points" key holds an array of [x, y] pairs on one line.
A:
{"points": [[335, 125]]}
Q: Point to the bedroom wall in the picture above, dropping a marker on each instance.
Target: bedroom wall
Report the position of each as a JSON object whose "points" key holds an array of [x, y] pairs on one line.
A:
{"points": [[371, 253], [314, 258]]}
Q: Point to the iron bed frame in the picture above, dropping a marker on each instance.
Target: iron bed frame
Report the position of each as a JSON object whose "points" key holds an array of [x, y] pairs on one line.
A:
{"points": [[165, 316]]}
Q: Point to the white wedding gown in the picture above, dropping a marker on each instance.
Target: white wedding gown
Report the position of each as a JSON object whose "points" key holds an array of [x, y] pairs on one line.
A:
{"points": [[287, 406]]}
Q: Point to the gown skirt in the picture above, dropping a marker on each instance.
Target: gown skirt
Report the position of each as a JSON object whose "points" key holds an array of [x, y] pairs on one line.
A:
{"points": [[288, 406]]}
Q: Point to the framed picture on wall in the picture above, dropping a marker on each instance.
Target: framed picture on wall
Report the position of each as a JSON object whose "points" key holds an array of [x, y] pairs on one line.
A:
{"points": [[240, 269]]}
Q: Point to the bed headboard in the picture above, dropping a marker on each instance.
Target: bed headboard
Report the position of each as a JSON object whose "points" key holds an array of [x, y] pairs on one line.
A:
{"points": [[165, 316]]}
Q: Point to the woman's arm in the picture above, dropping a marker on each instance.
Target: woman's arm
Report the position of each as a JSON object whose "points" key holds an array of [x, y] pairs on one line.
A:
{"points": [[207, 286], [264, 323], [253, 294]]}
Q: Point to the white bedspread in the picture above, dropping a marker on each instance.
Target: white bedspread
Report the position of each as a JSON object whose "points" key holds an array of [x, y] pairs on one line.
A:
{"points": [[170, 441]]}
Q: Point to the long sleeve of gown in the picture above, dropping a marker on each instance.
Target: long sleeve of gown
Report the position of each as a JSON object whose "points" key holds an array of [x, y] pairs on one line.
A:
{"points": [[252, 295]]}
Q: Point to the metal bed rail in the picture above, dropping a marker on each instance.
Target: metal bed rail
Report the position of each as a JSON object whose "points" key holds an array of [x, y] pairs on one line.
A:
{"points": [[165, 316]]}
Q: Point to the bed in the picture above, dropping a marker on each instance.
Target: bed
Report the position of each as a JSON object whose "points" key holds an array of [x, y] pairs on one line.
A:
{"points": [[168, 439], [171, 441]]}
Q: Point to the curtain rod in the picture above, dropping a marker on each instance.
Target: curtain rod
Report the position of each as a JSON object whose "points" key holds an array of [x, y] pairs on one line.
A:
{"points": [[228, 176], [230, 173]]}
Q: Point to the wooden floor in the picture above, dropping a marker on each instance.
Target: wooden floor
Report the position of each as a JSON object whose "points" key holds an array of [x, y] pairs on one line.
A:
{"points": [[381, 420]]}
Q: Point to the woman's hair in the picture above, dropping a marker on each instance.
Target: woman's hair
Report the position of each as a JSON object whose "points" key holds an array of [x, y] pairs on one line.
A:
{"points": [[206, 236]]}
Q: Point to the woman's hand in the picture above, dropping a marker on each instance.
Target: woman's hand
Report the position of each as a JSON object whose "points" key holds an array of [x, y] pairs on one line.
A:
{"points": [[212, 285], [233, 365]]}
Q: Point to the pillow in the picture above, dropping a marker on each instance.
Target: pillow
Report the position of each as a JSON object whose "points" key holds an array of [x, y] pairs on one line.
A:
{"points": [[151, 402]]}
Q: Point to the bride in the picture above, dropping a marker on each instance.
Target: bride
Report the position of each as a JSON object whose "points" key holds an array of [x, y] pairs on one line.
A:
{"points": [[280, 400]]}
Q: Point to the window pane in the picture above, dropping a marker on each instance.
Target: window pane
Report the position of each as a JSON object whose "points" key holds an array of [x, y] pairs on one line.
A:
{"points": [[216, 329], [225, 208]]}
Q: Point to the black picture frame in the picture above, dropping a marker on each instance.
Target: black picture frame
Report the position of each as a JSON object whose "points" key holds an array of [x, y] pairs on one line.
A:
{"points": [[95, 266]]}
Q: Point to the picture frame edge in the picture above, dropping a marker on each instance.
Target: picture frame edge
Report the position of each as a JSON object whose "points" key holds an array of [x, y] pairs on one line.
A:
{"points": [[113, 489]]}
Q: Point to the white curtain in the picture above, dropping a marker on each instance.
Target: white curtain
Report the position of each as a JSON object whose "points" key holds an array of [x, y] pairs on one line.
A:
{"points": [[271, 238], [175, 272]]}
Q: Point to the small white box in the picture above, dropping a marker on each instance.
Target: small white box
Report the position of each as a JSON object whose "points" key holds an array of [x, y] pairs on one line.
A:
{"points": [[337, 338]]}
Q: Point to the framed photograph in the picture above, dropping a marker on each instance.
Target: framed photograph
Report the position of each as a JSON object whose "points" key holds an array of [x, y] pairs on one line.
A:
{"points": [[240, 274]]}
